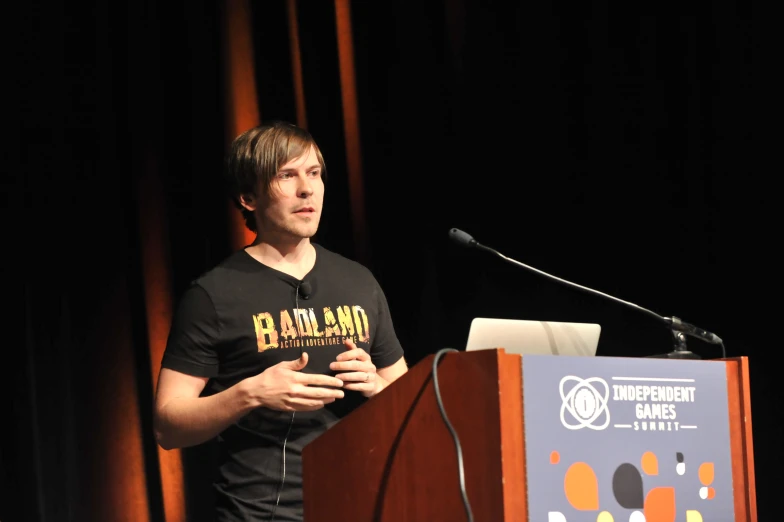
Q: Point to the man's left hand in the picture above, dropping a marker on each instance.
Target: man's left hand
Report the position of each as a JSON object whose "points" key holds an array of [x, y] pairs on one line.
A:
{"points": [[356, 370]]}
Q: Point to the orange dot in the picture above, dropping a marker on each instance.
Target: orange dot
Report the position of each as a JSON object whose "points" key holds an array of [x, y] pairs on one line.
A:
{"points": [[706, 473], [660, 505], [581, 487], [711, 493], [555, 457], [650, 464]]}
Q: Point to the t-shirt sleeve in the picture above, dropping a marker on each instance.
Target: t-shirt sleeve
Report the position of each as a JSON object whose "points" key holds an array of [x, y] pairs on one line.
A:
{"points": [[193, 338], [386, 349]]}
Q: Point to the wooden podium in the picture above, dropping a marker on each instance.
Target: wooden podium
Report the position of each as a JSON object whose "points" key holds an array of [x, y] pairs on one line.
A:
{"points": [[394, 460]]}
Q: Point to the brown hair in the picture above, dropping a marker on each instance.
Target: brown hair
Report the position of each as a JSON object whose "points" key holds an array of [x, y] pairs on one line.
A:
{"points": [[256, 155]]}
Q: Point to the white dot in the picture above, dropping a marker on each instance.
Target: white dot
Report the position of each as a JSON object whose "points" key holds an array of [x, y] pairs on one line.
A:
{"points": [[703, 493], [555, 516], [681, 468], [637, 516]]}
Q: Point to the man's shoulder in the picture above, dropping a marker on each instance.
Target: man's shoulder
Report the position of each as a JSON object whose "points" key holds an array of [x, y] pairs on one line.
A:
{"points": [[232, 268], [335, 261]]}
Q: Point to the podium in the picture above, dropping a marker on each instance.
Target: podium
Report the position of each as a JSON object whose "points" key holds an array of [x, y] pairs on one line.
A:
{"points": [[393, 459]]}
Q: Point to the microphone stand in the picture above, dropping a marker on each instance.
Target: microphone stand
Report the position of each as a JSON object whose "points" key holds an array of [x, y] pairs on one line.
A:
{"points": [[679, 351], [678, 328]]}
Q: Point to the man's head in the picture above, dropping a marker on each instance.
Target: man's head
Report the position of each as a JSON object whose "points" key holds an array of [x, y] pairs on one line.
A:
{"points": [[276, 177]]}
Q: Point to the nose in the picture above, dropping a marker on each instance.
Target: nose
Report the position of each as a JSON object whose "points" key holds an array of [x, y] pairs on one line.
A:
{"points": [[305, 187]]}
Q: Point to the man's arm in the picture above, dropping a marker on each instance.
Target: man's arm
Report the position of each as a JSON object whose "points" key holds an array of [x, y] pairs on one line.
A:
{"points": [[182, 418], [388, 375]]}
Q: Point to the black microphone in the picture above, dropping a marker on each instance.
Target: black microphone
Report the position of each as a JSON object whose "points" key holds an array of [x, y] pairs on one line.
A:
{"points": [[305, 289], [675, 324]]}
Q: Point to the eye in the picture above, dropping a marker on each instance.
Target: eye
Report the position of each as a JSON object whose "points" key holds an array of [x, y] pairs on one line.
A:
{"points": [[315, 172], [284, 175]]}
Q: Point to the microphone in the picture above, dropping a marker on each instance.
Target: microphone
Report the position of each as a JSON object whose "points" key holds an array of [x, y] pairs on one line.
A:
{"points": [[305, 289], [674, 323], [463, 238]]}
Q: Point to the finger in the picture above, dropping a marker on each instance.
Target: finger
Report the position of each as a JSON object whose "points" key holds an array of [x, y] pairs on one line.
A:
{"points": [[353, 377], [308, 404], [360, 386], [356, 354], [317, 392], [350, 345], [296, 364], [352, 366], [317, 379], [346, 366]]}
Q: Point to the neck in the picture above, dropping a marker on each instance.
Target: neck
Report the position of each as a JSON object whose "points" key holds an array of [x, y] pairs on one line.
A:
{"points": [[295, 257]]}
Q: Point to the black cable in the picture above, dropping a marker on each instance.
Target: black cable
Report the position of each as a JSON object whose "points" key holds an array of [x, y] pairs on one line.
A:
{"points": [[461, 472]]}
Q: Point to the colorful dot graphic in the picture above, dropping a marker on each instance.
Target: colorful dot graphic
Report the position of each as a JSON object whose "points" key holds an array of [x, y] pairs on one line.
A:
{"points": [[658, 504]]}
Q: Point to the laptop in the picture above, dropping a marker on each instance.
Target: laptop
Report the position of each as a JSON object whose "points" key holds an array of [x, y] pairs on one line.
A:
{"points": [[526, 337]]}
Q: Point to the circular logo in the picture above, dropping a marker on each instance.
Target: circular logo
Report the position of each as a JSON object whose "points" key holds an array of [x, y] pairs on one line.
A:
{"points": [[585, 404]]}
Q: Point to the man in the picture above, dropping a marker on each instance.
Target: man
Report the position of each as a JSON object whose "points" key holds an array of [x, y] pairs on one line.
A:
{"points": [[288, 335]]}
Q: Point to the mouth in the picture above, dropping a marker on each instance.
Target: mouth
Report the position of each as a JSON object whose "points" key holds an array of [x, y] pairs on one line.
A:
{"points": [[305, 211]]}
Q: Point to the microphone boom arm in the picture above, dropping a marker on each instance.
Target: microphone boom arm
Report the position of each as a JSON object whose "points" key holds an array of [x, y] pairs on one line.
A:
{"points": [[574, 285], [676, 325]]}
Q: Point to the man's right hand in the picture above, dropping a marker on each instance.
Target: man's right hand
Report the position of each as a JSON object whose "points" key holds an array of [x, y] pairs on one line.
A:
{"points": [[284, 387]]}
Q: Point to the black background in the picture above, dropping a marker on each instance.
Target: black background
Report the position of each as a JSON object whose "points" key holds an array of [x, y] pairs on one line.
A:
{"points": [[604, 147]]}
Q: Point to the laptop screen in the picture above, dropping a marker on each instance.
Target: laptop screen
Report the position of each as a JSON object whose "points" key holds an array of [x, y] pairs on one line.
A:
{"points": [[533, 337]]}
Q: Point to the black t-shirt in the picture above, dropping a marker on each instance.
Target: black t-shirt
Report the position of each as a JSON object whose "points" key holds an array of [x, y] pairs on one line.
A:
{"points": [[242, 317]]}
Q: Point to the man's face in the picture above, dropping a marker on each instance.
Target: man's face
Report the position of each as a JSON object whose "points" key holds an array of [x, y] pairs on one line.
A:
{"points": [[292, 206]]}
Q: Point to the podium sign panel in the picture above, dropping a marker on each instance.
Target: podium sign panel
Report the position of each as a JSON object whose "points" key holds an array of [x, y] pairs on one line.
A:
{"points": [[619, 439]]}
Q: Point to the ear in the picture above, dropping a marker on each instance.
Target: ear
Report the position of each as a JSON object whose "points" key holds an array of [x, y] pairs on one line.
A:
{"points": [[249, 202]]}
